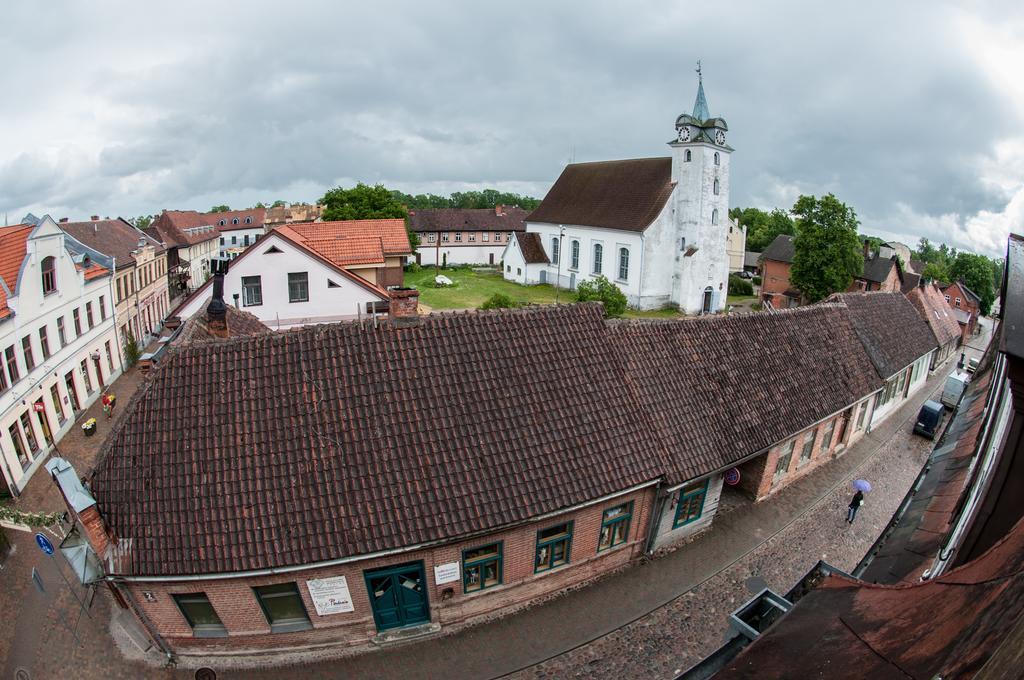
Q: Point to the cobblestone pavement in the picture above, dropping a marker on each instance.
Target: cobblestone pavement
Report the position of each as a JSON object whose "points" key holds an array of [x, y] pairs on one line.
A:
{"points": [[777, 540]]}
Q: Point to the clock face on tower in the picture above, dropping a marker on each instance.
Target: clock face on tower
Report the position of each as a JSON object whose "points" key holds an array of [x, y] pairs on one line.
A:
{"points": [[684, 134], [720, 137]]}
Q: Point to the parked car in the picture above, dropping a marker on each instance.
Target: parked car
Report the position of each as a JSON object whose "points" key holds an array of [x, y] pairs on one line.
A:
{"points": [[955, 385], [972, 365], [929, 418]]}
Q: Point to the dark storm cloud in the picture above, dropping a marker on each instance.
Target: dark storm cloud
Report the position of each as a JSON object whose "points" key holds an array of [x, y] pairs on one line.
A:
{"points": [[169, 106]]}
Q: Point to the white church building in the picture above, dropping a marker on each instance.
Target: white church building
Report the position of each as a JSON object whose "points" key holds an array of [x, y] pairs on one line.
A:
{"points": [[656, 227]]}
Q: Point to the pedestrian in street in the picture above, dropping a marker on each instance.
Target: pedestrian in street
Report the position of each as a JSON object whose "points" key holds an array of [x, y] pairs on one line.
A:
{"points": [[108, 405], [858, 500]]}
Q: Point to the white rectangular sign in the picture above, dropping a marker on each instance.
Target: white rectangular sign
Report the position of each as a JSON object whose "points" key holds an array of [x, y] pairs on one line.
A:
{"points": [[446, 573], [330, 595]]}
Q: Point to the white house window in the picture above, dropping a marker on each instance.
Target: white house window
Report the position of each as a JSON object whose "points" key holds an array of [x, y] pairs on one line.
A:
{"points": [[234, 240], [497, 236], [687, 156], [598, 256], [554, 250], [718, 159], [574, 255], [472, 237], [485, 236], [714, 217], [623, 264], [458, 236], [431, 237], [444, 237], [958, 302], [716, 187], [298, 287], [252, 291]]}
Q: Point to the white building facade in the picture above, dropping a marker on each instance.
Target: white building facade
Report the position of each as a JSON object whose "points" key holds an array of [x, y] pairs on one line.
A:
{"points": [[58, 343], [285, 284], [657, 227]]}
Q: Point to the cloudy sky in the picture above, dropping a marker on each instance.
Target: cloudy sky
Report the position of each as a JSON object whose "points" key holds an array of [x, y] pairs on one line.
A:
{"points": [[912, 112]]}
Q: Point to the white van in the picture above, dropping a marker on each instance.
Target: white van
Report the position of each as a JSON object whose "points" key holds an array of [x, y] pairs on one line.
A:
{"points": [[955, 385]]}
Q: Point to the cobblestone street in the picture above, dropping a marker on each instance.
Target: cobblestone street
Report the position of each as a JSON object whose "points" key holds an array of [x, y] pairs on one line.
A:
{"points": [[591, 633]]}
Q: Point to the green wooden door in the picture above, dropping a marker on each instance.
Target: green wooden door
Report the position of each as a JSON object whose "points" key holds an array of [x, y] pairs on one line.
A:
{"points": [[398, 595]]}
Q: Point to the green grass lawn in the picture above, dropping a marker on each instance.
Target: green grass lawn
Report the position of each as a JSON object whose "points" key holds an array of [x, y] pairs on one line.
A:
{"points": [[471, 288]]}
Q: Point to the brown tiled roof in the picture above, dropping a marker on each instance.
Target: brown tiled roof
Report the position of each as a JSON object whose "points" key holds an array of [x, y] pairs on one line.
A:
{"points": [[697, 379], [182, 228], [531, 248], [240, 324], [114, 238], [223, 220], [467, 219], [391, 232], [779, 250], [922, 525], [893, 333], [949, 627], [932, 307], [338, 440], [13, 247], [910, 281], [627, 195], [876, 269]]}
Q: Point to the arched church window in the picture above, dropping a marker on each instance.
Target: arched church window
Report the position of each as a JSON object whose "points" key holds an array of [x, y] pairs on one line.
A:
{"points": [[623, 264], [598, 256], [716, 187], [714, 216], [687, 156], [554, 250], [574, 255], [49, 275], [718, 159]]}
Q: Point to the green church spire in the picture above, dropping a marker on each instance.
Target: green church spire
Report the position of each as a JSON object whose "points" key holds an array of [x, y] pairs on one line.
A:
{"points": [[700, 107]]}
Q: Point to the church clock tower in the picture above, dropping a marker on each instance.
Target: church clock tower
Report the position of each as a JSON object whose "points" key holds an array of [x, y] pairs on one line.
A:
{"points": [[700, 171]]}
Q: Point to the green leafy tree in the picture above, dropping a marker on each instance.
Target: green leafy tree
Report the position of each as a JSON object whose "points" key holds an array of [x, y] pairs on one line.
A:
{"points": [[762, 227], [220, 208], [499, 301], [828, 253], [142, 221], [363, 202], [132, 352], [600, 289], [976, 271], [936, 271], [277, 204], [488, 198], [259, 204]]}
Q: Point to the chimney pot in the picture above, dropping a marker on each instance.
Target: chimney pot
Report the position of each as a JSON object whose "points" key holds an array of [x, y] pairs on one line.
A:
{"points": [[216, 311], [404, 307]]}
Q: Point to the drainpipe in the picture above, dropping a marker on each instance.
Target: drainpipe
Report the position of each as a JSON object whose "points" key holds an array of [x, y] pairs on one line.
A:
{"points": [[652, 525], [154, 636], [640, 288], [114, 303]]}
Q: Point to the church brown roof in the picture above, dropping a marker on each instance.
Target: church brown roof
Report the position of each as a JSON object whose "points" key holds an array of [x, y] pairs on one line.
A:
{"points": [[627, 195]]}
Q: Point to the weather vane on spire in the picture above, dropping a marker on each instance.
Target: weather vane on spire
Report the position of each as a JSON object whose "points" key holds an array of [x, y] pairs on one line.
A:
{"points": [[700, 77]]}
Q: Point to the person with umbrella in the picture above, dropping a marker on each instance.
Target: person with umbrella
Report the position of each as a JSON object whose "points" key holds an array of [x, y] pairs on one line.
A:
{"points": [[861, 486]]}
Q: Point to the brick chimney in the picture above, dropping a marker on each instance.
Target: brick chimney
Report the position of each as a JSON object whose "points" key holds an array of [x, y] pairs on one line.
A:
{"points": [[867, 250], [499, 210], [82, 505], [404, 308], [95, 218], [217, 311], [63, 220]]}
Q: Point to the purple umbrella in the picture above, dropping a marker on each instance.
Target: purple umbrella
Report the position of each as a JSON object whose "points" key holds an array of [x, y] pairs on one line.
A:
{"points": [[862, 485]]}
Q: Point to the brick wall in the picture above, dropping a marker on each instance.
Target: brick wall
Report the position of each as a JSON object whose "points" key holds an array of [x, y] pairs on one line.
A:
{"points": [[240, 612]]}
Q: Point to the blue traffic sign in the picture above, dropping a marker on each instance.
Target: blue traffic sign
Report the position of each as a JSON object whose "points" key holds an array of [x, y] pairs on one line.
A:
{"points": [[44, 544]]}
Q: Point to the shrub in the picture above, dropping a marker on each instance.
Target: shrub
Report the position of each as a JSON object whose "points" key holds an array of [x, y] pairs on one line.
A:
{"points": [[600, 289], [756, 280], [412, 268], [499, 301], [739, 286]]}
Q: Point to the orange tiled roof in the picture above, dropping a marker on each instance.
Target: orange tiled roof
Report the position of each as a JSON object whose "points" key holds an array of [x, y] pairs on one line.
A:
{"points": [[391, 232], [94, 271], [13, 246]]}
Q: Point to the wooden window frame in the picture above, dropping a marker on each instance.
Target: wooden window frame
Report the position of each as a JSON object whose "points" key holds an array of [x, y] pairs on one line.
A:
{"points": [[807, 447], [481, 562], [611, 524], [687, 495], [564, 537]]}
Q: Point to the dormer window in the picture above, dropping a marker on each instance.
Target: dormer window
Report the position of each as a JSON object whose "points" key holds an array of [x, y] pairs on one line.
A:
{"points": [[248, 220], [49, 272], [688, 156], [234, 221], [222, 222]]}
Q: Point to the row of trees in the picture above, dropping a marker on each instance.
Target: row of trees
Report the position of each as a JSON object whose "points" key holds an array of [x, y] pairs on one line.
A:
{"points": [[828, 250], [488, 198]]}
